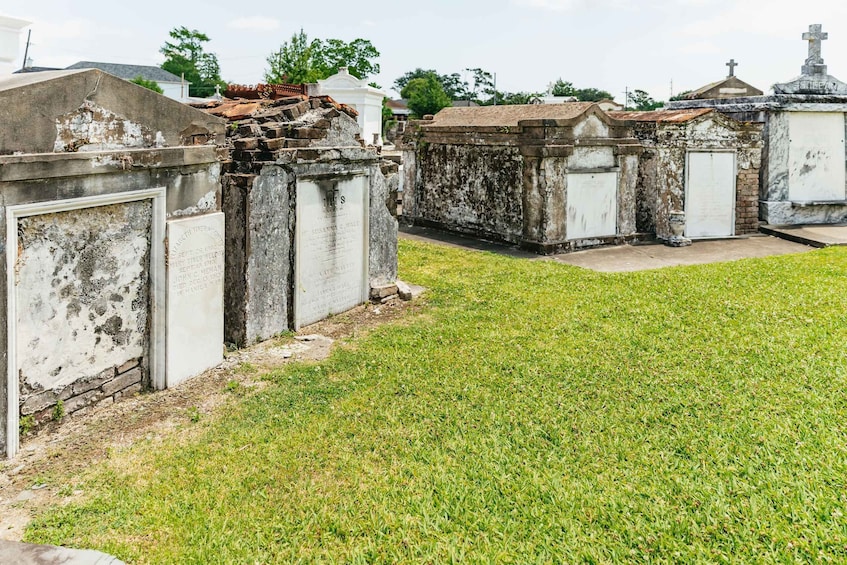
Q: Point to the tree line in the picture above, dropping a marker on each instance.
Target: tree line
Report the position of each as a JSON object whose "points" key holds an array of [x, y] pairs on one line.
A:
{"points": [[303, 60]]}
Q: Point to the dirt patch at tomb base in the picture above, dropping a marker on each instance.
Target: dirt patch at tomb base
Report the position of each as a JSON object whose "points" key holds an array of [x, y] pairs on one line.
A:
{"points": [[47, 469]]}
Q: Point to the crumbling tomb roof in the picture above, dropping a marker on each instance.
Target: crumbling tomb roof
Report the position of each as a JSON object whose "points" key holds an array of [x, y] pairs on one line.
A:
{"points": [[662, 116], [506, 116]]}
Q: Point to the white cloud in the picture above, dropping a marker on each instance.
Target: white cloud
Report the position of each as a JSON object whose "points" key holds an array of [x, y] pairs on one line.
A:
{"points": [[255, 23], [552, 5]]}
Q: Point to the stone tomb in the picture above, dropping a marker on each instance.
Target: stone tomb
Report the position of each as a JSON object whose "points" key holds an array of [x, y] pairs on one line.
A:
{"points": [[804, 157], [699, 162], [331, 246], [549, 178], [309, 231], [85, 294]]}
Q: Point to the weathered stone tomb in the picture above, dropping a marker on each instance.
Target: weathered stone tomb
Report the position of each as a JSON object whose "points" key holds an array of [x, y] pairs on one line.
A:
{"points": [[550, 178], [700, 163], [113, 252], [309, 230], [804, 162]]}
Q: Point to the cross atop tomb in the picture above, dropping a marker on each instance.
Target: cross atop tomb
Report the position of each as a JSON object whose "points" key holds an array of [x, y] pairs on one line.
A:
{"points": [[732, 64], [814, 64]]}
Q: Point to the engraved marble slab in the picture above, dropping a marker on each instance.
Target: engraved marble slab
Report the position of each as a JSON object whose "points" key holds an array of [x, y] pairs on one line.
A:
{"points": [[195, 290], [331, 247]]}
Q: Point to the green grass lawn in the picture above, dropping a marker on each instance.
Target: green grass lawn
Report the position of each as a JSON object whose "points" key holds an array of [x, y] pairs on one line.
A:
{"points": [[532, 413]]}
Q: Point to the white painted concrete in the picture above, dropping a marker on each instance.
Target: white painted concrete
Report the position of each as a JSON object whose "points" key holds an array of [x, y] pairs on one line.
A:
{"points": [[592, 205], [816, 156], [710, 194], [156, 312], [366, 100]]}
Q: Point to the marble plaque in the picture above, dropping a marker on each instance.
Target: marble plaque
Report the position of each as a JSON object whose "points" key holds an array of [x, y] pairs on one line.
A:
{"points": [[816, 156], [195, 291], [710, 195], [331, 247], [592, 205]]}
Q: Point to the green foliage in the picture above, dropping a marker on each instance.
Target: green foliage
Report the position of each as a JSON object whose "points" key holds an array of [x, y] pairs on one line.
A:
{"points": [[186, 56], [479, 88], [564, 88], [532, 412], [59, 411], [641, 101], [25, 424], [426, 96], [300, 61], [148, 84]]}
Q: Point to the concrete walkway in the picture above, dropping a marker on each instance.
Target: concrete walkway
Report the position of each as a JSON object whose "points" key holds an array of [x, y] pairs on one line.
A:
{"points": [[628, 257], [29, 554], [816, 236]]}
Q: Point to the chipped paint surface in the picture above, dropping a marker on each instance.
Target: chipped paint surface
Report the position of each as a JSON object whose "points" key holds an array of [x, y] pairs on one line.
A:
{"points": [[92, 128], [472, 188], [83, 292]]}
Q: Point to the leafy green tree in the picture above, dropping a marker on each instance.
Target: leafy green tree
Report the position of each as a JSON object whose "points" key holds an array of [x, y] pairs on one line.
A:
{"points": [[148, 84], [565, 88], [186, 56], [300, 60], [592, 95], [639, 100], [508, 98], [426, 96]]}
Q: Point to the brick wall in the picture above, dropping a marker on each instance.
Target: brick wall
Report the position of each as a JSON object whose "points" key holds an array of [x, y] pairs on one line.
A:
{"points": [[747, 202]]}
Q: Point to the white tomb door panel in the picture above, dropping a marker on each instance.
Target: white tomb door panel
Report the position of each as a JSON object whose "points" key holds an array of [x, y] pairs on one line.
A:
{"points": [[710, 194], [816, 167], [592, 205], [331, 247]]}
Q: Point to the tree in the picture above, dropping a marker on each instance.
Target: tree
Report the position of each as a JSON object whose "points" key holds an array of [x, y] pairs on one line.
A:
{"points": [[148, 84], [639, 100], [186, 57], [565, 88], [592, 95], [299, 61], [426, 96]]}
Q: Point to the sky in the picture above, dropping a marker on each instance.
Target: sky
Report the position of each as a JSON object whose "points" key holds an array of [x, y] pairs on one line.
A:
{"points": [[660, 46]]}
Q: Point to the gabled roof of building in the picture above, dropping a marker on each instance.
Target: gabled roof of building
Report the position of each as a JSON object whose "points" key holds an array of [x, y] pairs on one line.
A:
{"points": [[506, 116], [129, 72], [35, 70], [662, 116], [732, 85]]}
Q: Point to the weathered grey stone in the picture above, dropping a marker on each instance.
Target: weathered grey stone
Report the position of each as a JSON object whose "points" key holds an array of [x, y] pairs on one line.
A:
{"points": [[136, 117], [131, 364], [85, 385], [404, 290], [74, 404], [121, 382], [381, 291], [131, 390]]}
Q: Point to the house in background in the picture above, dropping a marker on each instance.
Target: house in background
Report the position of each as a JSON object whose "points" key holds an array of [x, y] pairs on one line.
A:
{"points": [[173, 86]]}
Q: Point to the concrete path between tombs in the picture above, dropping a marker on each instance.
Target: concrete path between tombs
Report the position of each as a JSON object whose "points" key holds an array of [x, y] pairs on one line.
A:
{"points": [[624, 258], [29, 554]]}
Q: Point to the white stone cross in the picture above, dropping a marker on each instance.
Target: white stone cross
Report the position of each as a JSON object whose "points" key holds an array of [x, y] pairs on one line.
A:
{"points": [[815, 37], [732, 64]]}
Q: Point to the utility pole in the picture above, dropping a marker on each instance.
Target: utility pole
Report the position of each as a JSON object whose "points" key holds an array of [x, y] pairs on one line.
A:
{"points": [[626, 98], [26, 51], [671, 90], [495, 89]]}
